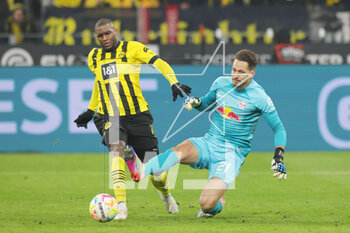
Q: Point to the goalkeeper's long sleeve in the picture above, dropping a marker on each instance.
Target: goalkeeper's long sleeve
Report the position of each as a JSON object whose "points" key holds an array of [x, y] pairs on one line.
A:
{"points": [[207, 101], [275, 123]]}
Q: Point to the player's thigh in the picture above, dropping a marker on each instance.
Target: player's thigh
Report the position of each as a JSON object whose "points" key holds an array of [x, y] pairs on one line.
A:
{"points": [[144, 152], [99, 122], [142, 138], [111, 130], [225, 170], [187, 152], [212, 192], [225, 164], [114, 132]]}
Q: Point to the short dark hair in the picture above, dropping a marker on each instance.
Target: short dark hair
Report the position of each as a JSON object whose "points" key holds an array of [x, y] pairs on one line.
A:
{"points": [[248, 56], [103, 21]]}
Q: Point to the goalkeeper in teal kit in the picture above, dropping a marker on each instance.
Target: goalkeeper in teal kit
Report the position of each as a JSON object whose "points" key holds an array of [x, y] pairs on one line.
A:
{"points": [[237, 102]]}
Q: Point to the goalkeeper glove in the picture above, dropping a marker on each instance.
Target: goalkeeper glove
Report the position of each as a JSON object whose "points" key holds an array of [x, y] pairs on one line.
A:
{"points": [[84, 118], [179, 89], [192, 102], [277, 165]]}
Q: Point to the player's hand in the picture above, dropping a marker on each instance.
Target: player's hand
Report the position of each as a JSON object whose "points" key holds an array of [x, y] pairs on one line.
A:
{"points": [[278, 166], [179, 89], [84, 118], [192, 102]]}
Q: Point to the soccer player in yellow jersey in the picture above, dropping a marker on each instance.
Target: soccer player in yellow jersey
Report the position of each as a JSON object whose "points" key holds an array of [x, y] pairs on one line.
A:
{"points": [[123, 115]]}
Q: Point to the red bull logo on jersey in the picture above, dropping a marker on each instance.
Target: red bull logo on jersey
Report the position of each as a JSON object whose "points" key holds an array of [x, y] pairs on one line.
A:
{"points": [[228, 113], [242, 105]]}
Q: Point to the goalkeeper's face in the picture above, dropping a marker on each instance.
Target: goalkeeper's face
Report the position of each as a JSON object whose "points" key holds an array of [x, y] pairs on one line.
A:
{"points": [[107, 35], [241, 74]]}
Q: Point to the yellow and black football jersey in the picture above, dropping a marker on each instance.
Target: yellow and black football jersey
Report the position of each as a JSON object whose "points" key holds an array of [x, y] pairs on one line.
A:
{"points": [[117, 88]]}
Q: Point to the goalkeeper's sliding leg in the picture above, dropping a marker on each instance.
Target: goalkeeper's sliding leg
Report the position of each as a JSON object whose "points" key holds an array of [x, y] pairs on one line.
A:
{"points": [[211, 200], [195, 152]]}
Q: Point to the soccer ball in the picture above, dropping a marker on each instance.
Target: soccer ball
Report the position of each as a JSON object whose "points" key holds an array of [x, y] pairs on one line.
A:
{"points": [[103, 207]]}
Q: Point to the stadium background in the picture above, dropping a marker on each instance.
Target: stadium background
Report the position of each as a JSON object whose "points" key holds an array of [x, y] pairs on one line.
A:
{"points": [[50, 170], [185, 36], [312, 101]]}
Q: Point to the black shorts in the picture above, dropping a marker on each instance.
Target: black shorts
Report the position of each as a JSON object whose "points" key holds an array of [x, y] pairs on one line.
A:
{"points": [[135, 130]]}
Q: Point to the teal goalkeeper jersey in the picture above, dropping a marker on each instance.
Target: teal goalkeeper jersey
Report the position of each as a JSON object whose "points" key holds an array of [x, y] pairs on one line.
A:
{"points": [[235, 113]]}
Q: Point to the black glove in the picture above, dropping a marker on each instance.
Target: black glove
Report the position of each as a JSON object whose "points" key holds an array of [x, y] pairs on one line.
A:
{"points": [[84, 118], [178, 88]]}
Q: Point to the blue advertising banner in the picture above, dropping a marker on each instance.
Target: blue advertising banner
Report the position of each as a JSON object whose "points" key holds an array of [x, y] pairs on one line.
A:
{"points": [[38, 106]]}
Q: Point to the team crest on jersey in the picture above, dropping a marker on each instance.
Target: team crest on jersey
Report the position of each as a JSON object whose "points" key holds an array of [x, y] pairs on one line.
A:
{"points": [[242, 105], [121, 54], [108, 125]]}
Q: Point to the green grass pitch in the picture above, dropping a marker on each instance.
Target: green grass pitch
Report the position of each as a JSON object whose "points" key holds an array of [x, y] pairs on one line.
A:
{"points": [[51, 193]]}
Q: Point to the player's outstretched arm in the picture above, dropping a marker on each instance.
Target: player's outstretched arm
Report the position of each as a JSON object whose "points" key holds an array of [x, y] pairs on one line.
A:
{"points": [[207, 102], [277, 164], [191, 102], [176, 88], [84, 118]]}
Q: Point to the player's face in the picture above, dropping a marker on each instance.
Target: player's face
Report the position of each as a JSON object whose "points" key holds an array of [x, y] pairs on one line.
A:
{"points": [[107, 36], [241, 74]]}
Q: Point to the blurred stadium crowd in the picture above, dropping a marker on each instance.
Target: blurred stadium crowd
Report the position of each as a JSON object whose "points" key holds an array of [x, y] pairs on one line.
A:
{"points": [[21, 17], [200, 23]]}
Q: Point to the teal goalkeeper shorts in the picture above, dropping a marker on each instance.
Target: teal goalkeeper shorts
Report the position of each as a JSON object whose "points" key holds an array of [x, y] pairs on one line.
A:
{"points": [[223, 160]]}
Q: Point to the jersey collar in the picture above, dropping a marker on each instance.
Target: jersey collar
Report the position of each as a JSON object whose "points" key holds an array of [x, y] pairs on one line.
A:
{"points": [[113, 48]]}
